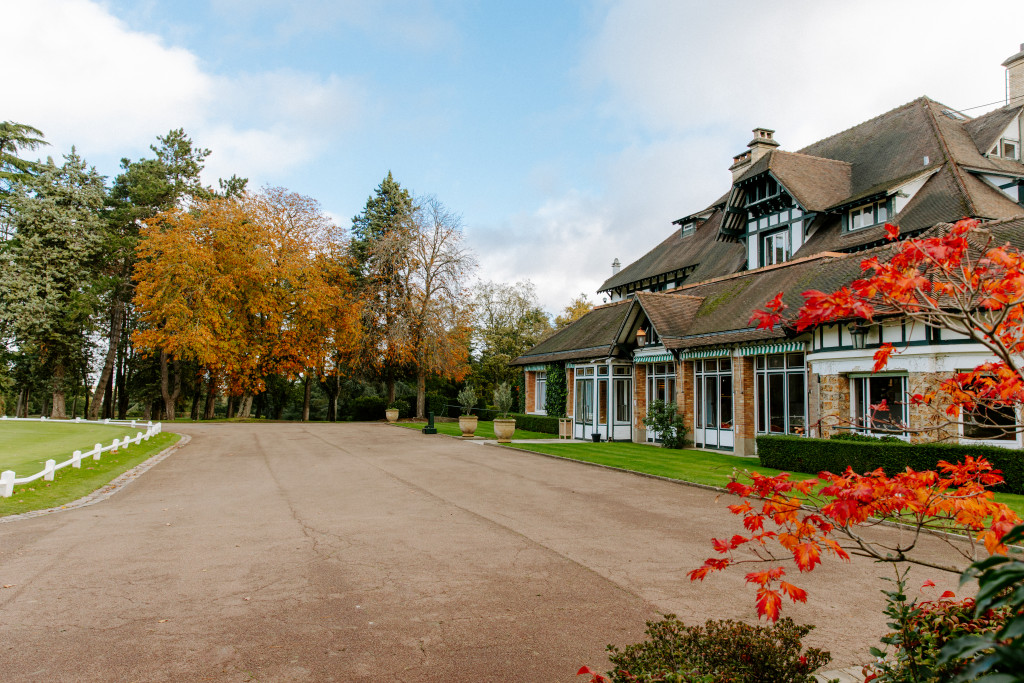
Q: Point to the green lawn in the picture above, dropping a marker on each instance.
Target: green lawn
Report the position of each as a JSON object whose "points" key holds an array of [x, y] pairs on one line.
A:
{"points": [[484, 429], [25, 447], [700, 467]]}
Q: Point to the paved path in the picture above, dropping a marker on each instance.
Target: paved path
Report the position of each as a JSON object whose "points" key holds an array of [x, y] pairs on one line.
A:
{"points": [[364, 552]]}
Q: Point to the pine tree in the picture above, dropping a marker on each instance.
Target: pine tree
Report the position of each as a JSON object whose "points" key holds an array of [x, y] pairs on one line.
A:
{"points": [[48, 278]]}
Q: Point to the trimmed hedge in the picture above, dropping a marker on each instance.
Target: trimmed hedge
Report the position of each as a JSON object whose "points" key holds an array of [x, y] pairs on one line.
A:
{"points": [[367, 408], [531, 423], [800, 454]]}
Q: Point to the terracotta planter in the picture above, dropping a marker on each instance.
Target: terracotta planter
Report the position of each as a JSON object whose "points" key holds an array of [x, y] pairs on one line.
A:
{"points": [[504, 429], [391, 414], [467, 423]]}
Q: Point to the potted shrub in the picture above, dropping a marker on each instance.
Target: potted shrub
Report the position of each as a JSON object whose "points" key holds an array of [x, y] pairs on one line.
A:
{"points": [[467, 421], [392, 412], [504, 427]]}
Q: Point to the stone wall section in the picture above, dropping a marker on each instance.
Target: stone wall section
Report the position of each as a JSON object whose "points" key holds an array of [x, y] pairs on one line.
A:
{"points": [[570, 391], [931, 419], [834, 404]]}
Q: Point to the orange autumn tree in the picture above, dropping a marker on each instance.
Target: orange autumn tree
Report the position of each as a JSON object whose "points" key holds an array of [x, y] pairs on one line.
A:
{"points": [[963, 280], [246, 287]]}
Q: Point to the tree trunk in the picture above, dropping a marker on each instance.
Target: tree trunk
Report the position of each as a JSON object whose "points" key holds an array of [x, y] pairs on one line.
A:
{"points": [[245, 406], [305, 400], [197, 396], [85, 383], [421, 394], [391, 387], [116, 315], [334, 389], [22, 400], [170, 396], [57, 410], [230, 413], [209, 410], [147, 412]]}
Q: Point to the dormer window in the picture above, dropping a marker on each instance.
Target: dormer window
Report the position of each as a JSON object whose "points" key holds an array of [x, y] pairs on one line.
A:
{"points": [[689, 228], [868, 215], [1006, 148]]}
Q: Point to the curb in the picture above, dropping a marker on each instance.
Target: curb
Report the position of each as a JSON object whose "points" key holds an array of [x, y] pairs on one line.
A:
{"points": [[108, 489]]}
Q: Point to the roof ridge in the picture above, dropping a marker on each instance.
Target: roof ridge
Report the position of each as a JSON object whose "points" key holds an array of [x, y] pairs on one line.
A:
{"points": [[608, 305], [954, 166], [674, 296], [803, 259], [811, 156], [906, 105]]}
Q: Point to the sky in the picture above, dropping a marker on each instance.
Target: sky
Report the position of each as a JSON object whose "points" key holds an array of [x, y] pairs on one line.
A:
{"points": [[565, 133]]}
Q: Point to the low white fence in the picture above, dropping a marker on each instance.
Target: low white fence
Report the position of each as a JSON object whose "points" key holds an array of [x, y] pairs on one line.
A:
{"points": [[8, 479]]}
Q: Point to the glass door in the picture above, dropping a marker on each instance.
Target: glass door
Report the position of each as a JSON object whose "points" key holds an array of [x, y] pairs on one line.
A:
{"points": [[713, 426]]}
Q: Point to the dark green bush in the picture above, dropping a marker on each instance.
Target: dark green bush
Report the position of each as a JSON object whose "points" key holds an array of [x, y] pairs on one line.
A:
{"points": [[723, 651], [405, 409], [367, 408], [556, 392], [664, 418], [438, 404], [922, 629], [531, 423], [800, 454]]}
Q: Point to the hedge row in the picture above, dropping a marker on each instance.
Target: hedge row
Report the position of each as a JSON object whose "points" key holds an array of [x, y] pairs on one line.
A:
{"points": [[800, 454], [531, 423]]}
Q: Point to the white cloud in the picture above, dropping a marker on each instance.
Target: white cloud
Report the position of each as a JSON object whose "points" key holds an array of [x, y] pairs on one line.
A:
{"points": [[87, 79], [685, 82]]}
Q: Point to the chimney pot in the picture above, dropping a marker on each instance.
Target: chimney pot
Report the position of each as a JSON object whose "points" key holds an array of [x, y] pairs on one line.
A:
{"points": [[615, 267]]}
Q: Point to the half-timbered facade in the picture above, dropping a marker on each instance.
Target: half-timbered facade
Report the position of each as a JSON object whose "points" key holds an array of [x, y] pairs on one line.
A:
{"points": [[678, 325]]}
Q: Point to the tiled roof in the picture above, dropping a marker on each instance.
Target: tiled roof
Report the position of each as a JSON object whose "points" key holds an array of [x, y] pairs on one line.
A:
{"points": [[699, 250], [815, 182], [671, 314], [986, 129], [592, 336]]}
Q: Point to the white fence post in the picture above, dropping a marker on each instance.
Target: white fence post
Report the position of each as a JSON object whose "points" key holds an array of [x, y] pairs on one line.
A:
{"points": [[7, 484], [48, 470], [97, 450], [76, 460]]}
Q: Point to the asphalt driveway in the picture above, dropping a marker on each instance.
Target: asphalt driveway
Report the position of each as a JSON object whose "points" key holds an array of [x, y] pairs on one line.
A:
{"points": [[362, 552]]}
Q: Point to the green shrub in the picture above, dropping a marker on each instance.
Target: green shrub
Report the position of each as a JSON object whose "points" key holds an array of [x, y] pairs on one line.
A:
{"points": [[367, 408], [556, 390], [467, 399], [437, 404], [665, 419], [921, 630], [723, 651], [503, 399], [403, 407], [801, 454], [531, 423]]}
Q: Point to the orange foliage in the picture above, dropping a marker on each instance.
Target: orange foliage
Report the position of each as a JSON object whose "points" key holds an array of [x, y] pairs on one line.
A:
{"points": [[247, 287]]}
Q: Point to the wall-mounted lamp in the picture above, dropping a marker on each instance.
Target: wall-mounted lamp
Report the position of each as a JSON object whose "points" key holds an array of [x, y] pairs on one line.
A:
{"points": [[859, 335], [641, 338]]}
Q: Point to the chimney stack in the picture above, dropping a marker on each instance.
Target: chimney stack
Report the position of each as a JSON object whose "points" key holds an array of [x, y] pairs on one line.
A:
{"points": [[762, 143], [1015, 77], [615, 267]]}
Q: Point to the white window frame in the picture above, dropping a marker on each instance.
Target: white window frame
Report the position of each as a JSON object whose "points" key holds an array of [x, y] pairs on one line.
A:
{"points": [[1007, 143], [540, 392], [858, 395], [874, 210], [769, 244], [762, 373], [1014, 442]]}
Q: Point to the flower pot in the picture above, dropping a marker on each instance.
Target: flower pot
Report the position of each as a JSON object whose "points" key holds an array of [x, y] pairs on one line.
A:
{"points": [[391, 414], [467, 423], [596, 436], [504, 429]]}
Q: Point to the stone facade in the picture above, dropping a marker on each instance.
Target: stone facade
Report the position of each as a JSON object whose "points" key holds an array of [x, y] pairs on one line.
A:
{"points": [[931, 418], [834, 406]]}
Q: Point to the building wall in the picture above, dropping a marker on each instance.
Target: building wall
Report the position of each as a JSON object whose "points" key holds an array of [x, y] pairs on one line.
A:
{"points": [[834, 407], [932, 418], [639, 403], [687, 392], [744, 406], [570, 380], [530, 395]]}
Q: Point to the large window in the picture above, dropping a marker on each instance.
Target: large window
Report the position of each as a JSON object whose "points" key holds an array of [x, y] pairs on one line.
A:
{"points": [[714, 393], [775, 249], [879, 404], [540, 391], [661, 386], [781, 394], [584, 413]]}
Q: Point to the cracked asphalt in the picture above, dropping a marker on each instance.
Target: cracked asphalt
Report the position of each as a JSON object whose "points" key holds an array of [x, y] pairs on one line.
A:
{"points": [[363, 552]]}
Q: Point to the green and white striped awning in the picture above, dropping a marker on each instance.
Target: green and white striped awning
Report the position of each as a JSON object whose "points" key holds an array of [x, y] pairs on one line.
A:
{"points": [[653, 358], [535, 367], [774, 347], [704, 353]]}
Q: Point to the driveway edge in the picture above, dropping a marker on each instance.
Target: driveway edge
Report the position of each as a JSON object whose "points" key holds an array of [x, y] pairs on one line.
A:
{"points": [[108, 489]]}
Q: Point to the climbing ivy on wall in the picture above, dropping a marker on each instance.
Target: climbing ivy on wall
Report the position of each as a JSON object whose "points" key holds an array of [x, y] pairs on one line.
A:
{"points": [[557, 391]]}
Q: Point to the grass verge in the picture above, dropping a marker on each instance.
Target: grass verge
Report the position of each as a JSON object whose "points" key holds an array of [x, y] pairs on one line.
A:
{"points": [[698, 467], [70, 484], [26, 446], [483, 428]]}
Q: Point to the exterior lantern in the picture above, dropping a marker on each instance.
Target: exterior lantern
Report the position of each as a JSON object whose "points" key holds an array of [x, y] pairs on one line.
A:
{"points": [[641, 338], [859, 334]]}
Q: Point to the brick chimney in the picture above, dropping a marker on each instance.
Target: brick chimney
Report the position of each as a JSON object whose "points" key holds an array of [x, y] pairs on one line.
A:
{"points": [[1015, 77], [615, 267], [762, 143]]}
